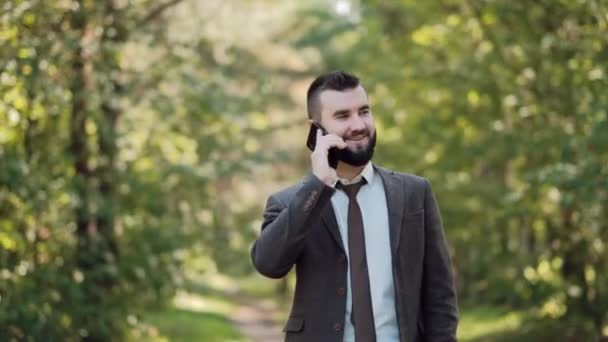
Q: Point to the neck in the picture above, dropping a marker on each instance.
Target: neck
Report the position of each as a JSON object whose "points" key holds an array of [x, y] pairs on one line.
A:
{"points": [[348, 171]]}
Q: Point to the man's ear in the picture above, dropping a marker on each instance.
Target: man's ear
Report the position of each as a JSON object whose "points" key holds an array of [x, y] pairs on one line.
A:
{"points": [[311, 121], [315, 118]]}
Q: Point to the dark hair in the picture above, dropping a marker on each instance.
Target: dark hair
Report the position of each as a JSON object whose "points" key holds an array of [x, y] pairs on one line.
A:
{"points": [[335, 80]]}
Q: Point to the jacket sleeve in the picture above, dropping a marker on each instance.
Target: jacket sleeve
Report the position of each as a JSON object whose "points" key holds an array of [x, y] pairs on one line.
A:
{"points": [[286, 226], [439, 302]]}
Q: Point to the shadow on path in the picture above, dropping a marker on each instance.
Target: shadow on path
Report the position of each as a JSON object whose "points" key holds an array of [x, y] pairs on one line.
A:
{"points": [[256, 319]]}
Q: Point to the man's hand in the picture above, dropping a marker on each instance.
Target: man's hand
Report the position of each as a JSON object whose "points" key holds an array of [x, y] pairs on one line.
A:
{"points": [[320, 163]]}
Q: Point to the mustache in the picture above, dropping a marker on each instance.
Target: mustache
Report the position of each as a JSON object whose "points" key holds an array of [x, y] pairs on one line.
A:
{"points": [[357, 134]]}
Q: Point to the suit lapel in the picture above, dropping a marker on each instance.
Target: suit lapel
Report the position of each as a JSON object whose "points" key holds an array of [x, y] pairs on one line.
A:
{"points": [[329, 219], [395, 204]]}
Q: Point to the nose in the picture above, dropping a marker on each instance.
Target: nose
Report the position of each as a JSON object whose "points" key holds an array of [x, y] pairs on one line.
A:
{"points": [[357, 124]]}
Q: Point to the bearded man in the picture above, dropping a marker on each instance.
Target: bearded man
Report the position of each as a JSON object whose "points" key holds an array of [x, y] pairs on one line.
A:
{"points": [[368, 245]]}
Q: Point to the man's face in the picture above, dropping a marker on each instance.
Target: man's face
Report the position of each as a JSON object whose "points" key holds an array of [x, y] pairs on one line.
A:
{"points": [[348, 114]]}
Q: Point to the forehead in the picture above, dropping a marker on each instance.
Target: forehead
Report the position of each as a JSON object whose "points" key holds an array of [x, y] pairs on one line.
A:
{"points": [[350, 99]]}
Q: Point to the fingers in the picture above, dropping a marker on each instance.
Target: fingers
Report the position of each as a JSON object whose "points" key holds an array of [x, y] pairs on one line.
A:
{"points": [[320, 162], [330, 140]]}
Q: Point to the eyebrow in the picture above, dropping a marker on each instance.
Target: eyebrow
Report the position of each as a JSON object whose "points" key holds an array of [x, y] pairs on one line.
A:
{"points": [[346, 111]]}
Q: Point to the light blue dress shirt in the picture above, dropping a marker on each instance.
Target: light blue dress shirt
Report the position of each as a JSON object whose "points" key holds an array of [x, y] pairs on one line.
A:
{"points": [[372, 201]]}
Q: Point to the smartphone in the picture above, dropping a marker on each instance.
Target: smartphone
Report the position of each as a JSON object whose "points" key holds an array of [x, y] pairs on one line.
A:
{"points": [[311, 142]]}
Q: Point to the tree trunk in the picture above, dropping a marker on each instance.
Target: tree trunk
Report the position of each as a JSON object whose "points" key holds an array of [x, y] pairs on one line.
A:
{"points": [[78, 136]]}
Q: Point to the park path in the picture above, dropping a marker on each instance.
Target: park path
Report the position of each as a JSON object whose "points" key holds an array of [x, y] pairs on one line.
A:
{"points": [[256, 319]]}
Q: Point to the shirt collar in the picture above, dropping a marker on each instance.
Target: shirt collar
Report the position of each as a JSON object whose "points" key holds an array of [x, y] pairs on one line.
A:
{"points": [[367, 173]]}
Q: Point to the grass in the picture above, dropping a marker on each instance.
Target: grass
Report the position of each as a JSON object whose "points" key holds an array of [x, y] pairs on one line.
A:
{"points": [[477, 323], [193, 317], [181, 325], [202, 314], [492, 324]]}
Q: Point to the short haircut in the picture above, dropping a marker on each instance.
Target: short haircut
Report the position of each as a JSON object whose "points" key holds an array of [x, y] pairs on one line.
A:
{"points": [[335, 80]]}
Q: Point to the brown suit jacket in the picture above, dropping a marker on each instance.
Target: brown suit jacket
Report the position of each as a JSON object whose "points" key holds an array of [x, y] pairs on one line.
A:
{"points": [[300, 229]]}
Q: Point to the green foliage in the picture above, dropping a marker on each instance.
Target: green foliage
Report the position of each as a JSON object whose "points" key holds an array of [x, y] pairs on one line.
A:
{"points": [[500, 105], [105, 173], [126, 126]]}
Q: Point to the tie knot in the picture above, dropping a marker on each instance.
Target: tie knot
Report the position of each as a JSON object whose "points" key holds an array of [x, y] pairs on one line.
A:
{"points": [[351, 190]]}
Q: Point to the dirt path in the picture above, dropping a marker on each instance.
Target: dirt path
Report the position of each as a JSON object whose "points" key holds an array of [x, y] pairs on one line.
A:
{"points": [[257, 320]]}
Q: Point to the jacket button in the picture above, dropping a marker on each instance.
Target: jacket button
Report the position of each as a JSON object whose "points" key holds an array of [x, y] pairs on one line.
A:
{"points": [[341, 291], [337, 327]]}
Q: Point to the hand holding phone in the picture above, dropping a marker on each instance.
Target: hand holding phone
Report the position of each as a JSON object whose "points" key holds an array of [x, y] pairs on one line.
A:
{"points": [[325, 152]]}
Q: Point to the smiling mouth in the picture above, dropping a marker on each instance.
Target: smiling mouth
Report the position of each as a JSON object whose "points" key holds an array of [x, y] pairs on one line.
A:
{"points": [[358, 139]]}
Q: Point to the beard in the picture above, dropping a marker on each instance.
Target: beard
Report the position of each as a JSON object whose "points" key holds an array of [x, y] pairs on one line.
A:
{"points": [[360, 157]]}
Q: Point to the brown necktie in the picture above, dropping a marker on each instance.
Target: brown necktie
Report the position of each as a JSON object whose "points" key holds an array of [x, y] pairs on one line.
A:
{"points": [[362, 313]]}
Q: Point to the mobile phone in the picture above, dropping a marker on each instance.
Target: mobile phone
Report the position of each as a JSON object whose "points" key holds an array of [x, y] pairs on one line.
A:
{"points": [[311, 143]]}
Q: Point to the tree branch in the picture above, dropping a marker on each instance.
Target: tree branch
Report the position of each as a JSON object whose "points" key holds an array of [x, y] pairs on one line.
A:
{"points": [[158, 11]]}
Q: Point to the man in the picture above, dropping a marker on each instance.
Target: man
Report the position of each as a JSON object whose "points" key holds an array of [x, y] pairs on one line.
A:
{"points": [[372, 262]]}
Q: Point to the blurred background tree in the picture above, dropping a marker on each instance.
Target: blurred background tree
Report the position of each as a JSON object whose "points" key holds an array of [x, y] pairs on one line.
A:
{"points": [[140, 139]]}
